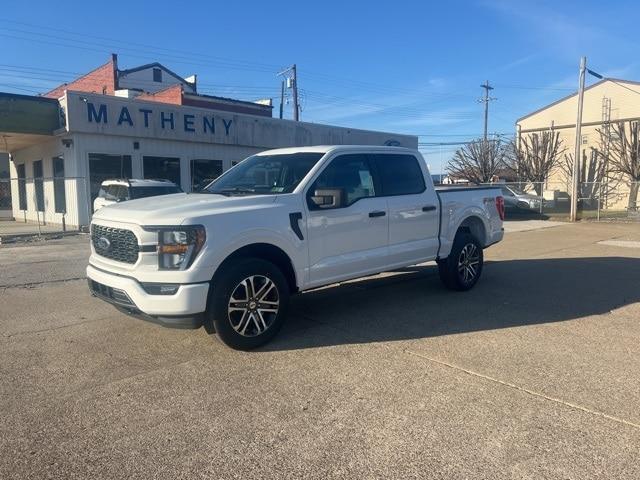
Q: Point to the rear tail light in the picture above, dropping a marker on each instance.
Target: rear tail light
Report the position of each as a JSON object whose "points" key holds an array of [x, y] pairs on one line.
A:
{"points": [[500, 206]]}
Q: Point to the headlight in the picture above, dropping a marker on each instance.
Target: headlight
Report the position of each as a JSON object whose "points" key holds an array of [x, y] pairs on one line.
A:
{"points": [[179, 246]]}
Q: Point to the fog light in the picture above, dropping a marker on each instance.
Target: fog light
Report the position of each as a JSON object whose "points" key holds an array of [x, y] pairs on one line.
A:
{"points": [[160, 288]]}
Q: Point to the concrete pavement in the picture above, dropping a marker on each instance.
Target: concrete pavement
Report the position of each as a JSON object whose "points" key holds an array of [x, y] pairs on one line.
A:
{"points": [[533, 374]]}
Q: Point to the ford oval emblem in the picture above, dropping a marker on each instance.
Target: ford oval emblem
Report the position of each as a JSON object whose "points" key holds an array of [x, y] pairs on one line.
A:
{"points": [[103, 243]]}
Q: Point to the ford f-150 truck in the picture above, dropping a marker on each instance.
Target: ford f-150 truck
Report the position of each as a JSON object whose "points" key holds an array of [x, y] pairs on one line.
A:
{"points": [[282, 222]]}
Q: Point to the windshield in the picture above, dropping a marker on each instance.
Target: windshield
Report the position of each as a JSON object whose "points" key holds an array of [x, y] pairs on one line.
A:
{"points": [[144, 192], [266, 174]]}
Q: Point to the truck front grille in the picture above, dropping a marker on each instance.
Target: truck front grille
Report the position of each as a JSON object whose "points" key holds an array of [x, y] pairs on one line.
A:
{"points": [[115, 243]]}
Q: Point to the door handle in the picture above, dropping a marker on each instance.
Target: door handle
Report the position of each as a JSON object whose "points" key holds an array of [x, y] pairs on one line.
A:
{"points": [[429, 208], [378, 213]]}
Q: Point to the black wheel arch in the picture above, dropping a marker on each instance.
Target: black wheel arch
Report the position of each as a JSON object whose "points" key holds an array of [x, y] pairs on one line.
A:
{"points": [[263, 251], [474, 226]]}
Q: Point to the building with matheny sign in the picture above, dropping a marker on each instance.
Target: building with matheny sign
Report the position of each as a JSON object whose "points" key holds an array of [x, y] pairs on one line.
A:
{"points": [[144, 122]]}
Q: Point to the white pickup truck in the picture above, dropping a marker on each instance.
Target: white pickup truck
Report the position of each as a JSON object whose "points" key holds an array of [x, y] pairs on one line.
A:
{"points": [[282, 222]]}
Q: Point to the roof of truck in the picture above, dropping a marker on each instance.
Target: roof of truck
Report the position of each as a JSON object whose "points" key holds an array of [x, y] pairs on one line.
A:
{"points": [[331, 148]]}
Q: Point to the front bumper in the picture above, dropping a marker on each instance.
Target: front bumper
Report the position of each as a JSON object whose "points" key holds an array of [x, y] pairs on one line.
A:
{"points": [[184, 309]]}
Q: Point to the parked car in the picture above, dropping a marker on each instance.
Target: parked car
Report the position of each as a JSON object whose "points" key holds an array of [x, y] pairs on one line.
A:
{"points": [[282, 222], [116, 191], [516, 199]]}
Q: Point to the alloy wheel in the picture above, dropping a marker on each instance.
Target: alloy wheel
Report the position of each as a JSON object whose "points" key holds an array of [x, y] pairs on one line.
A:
{"points": [[468, 263], [253, 305]]}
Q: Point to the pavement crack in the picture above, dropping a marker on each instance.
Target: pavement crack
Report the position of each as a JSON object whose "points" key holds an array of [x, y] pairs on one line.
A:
{"points": [[527, 390], [52, 329], [36, 284]]}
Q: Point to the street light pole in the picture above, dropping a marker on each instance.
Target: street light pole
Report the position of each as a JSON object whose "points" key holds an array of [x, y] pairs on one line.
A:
{"points": [[575, 180]]}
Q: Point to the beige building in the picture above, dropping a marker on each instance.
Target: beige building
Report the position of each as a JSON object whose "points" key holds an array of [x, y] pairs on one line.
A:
{"points": [[605, 102]]}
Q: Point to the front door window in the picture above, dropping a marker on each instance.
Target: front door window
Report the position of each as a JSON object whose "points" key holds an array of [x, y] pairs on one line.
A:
{"points": [[350, 238]]}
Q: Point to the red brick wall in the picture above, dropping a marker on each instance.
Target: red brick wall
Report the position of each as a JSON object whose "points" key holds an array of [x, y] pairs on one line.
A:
{"points": [[172, 95], [262, 111], [100, 80]]}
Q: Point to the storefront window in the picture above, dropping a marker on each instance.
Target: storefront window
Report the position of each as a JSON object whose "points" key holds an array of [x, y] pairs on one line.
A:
{"points": [[58, 185], [104, 166], [203, 172], [22, 187], [5, 183], [38, 183], [162, 168]]}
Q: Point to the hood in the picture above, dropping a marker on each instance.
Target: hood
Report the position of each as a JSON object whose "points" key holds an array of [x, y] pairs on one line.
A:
{"points": [[529, 196], [175, 209]]}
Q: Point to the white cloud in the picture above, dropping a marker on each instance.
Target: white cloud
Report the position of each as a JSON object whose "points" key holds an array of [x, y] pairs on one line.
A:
{"points": [[552, 30], [517, 62]]}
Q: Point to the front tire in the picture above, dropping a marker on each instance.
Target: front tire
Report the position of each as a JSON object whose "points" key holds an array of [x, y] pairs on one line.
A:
{"points": [[249, 303], [461, 270]]}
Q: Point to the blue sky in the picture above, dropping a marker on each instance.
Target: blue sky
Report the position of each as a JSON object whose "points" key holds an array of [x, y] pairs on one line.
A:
{"points": [[407, 67]]}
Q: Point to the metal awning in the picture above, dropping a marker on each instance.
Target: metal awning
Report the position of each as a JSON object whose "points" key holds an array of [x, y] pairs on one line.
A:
{"points": [[26, 120], [10, 142]]}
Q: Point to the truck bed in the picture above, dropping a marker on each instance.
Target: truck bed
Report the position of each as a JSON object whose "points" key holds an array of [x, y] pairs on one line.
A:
{"points": [[457, 203]]}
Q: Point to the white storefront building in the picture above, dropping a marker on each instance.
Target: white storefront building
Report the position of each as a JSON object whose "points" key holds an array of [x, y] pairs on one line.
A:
{"points": [[56, 175]]}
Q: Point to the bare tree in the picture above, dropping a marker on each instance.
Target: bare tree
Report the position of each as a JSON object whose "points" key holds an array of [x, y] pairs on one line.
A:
{"points": [[593, 171], [536, 157], [623, 141], [478, 161]]}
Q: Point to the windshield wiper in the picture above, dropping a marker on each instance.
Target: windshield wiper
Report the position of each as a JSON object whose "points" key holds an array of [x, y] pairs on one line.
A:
{"points": [[235, 190]]}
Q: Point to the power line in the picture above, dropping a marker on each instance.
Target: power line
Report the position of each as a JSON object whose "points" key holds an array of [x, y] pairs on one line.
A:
{"points": [[404, 107], [622, 85], [458, 134], [175, 55], [83, 36], [18, 87], [134, 53], [400, 111], [524, 87]]}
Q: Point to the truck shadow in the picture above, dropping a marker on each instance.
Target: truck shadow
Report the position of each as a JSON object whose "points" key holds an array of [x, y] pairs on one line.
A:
{"points": [[411, 303]]}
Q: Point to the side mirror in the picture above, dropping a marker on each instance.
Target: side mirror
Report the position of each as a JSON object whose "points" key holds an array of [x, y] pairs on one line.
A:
{"points": [[328, 198]]}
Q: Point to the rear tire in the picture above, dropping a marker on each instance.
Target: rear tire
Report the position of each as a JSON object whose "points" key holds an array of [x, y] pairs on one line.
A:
{"points": [[463, 267], [248, 304]]}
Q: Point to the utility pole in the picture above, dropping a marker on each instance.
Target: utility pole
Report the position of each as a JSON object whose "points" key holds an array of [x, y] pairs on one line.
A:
{"points": [[292, 83], [296, 105], [575, 180], [281, 99], [486, 99]]}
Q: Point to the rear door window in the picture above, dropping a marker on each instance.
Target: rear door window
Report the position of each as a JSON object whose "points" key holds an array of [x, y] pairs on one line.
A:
{"points": [[400, 174]]}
